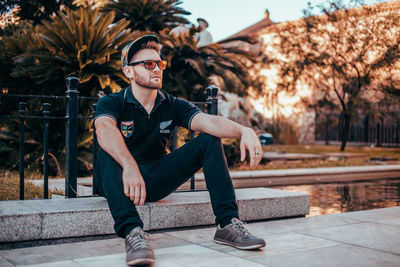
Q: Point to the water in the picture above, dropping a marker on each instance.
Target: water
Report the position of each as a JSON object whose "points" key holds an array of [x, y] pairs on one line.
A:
{"points": [[352, 196]]}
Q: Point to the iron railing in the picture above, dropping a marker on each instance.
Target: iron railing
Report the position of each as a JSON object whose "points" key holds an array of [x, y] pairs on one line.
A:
{"points": [[71, 133], [378, 132]]}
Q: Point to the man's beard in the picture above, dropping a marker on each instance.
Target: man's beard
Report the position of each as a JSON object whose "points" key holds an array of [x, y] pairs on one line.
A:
{"points": [[148, 83]]}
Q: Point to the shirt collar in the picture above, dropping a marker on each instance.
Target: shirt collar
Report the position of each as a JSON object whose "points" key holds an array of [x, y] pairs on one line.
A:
{"points": [[130, 98]]}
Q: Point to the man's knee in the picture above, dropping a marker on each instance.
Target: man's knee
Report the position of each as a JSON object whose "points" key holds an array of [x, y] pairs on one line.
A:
{"points": [[209, 139]]}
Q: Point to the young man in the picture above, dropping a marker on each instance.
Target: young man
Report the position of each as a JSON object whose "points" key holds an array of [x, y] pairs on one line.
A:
{"points": [[133, 129]]}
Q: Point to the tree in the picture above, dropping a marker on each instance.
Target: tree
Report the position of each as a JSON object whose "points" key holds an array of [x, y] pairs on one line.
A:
{"points": [[82, 43], [148, 15], [340, 54], [34, 10], [190, 67]]}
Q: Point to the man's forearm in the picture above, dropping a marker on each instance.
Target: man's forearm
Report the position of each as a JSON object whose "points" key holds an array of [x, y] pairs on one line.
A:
{"points": [[217, 126], [112, 142]]}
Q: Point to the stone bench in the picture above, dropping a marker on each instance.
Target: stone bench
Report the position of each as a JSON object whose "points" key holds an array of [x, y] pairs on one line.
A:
{"points": [[30, 220]]}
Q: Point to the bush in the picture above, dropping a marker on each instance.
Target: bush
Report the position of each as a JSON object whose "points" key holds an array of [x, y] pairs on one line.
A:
{"points": [[232, 151], [283, 131]]}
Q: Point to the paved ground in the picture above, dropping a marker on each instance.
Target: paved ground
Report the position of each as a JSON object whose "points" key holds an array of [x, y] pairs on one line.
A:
{"points": [[364, 238]]}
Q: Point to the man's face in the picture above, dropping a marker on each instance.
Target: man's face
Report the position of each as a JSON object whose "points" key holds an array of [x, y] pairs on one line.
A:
{"points": [[151, 79]]}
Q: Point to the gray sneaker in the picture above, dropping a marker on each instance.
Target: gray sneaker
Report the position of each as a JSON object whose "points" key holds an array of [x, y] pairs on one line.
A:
{"points": [[138, 249], [235, 235]]}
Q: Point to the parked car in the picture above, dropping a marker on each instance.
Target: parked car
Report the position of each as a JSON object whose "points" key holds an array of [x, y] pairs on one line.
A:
{"points": [[265, 138]]}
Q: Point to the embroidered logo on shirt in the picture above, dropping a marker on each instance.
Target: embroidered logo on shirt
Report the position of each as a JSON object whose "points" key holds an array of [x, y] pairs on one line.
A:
{"points": [[127, 128], [163, 125]]}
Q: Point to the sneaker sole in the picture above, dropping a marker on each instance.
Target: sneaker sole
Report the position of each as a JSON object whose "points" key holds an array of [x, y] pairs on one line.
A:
{"points": [[256, 246], [140, 261]]}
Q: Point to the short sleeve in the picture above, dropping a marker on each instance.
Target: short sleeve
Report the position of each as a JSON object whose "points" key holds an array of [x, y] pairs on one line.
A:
{"points": [[184, 112], [108, 106]]}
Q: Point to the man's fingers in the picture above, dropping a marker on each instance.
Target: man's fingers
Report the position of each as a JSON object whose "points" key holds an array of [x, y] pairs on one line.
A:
{"points": [[131, 192], [142, 195], [126, 189], [137, 195], [242, 151], [252, 158]]}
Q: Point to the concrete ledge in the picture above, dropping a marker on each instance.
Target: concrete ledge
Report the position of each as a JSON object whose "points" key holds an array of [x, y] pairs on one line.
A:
{"points": [[61, 218], [245, 179]]}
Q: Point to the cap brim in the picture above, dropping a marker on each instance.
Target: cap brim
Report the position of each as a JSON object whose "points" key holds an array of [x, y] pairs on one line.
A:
{"points": [[137, 44]]}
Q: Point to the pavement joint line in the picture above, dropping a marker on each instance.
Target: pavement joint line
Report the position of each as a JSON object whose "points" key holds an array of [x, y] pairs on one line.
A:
{"points": [[194, 243], [380, 222], [346, 217], [327, 227], [80, 264], [230, 255], [40, 214], [6, 260], [350, 244]]}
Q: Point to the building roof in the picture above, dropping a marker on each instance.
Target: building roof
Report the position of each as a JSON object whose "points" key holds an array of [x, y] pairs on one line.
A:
{"points": [[255, 28]]}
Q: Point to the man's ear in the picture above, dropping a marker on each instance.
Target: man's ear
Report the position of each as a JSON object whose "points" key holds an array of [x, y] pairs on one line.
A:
{"points": [[128, 72]]}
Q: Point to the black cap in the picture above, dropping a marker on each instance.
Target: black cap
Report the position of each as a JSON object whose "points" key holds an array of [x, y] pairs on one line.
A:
{"points": [[130, 49]]}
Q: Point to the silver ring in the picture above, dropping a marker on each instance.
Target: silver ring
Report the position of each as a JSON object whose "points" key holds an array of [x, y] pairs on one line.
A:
{"points": [[257, 153]]}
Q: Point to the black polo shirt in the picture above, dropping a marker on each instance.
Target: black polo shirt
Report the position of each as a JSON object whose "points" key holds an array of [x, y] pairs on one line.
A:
{"points": [[146, 136]]}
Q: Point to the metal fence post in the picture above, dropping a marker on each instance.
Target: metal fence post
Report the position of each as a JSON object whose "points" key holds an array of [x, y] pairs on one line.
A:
{"points": [[192, 181], [212, 101], [174, 138], [46, 114], [327, 129], [397, 132], [366, 128], [94, 184], [71, 136], [22, 113], [378, 135]]}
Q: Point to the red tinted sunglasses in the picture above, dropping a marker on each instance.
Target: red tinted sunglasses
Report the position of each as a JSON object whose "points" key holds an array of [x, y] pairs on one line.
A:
{"points": [[151, 64]]}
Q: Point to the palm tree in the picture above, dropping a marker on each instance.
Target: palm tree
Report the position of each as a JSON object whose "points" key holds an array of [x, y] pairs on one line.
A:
{"points": [[148, 15], [83, 43], [190, 67], [34, 10]]}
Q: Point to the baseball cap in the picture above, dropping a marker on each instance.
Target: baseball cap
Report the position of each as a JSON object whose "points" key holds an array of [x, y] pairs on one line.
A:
{"points": [[134, 46]]}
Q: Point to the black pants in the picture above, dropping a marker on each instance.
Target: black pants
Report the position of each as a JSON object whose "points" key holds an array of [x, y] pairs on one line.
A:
{"points": [[163, 176]]}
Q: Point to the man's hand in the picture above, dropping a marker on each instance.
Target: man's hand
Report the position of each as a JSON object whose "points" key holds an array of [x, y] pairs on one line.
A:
{"points": [[134, 186], [249, 141]]}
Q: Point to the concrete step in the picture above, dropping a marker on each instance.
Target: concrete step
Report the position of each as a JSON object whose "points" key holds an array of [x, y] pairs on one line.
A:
{"points": [[27, 220]]}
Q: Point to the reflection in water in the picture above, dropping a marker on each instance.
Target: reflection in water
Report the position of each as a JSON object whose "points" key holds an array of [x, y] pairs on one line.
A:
{"points": [[352, 196]]}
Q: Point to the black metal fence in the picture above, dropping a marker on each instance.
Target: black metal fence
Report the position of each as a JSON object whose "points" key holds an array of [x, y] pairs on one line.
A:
{"points": [[71, 133], [363, 131]]}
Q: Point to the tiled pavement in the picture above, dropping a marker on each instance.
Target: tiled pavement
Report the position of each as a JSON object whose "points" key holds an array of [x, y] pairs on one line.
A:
{"points": [[364, 238]]}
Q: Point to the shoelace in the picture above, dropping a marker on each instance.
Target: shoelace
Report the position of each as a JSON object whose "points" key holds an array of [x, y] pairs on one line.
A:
{"points": [[239, 226], [139, 240]]}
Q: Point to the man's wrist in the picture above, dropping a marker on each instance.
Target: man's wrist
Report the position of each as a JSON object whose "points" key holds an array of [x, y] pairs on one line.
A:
{"points": [[127, 163], [243, 130]]}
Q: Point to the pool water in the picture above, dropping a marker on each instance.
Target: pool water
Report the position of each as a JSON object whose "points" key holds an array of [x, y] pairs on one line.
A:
{"points": [[350, 196]]}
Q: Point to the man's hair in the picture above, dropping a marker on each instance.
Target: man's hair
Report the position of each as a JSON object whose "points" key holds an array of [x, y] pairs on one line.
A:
{"points": [[152, 45]]}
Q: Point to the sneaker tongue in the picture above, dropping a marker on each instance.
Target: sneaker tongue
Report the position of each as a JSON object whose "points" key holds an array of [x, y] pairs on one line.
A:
{"points": [[234, 220]]}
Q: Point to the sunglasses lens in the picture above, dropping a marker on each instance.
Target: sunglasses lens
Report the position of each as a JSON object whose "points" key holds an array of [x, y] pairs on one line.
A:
{"points": [[150, 65], [162, 64]]}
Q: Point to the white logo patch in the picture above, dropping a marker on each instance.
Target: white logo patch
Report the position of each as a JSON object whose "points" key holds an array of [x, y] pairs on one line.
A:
{"points": [[163, 125]]}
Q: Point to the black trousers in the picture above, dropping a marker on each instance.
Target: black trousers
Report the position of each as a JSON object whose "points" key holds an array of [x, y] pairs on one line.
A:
{"points": [[164, 175]]}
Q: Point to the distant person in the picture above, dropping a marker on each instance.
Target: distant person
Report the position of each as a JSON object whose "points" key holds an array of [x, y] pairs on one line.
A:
{"points": [[180, 31], [133, 128], [203, 37]]}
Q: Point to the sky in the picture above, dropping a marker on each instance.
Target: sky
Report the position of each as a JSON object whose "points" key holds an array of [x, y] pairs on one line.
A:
{"points": [[227, 17]]}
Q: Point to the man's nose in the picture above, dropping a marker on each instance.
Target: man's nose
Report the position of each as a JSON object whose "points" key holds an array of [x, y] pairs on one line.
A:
{"points": [[157, 67]]}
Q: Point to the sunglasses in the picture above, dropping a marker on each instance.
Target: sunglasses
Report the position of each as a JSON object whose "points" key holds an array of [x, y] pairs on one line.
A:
{"points": [[151, 64]]}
